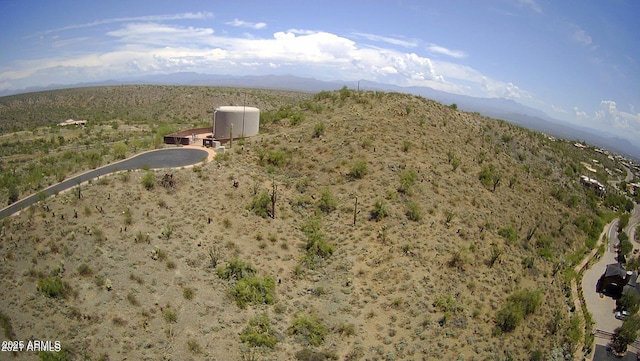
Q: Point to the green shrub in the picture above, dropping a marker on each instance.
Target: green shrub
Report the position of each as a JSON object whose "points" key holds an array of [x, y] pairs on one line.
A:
{"points": [[486, 175], [519, 305], [406, 145], [407, 180], [318, 130], [188, 293], [5, 324], [509, 233], [629, 302], [625, 334], [53, 287], [277, 158], [148, 180], [169, 315], [358, 169], [509, 317], [53, 356], [120, 151], [260, 204], [259, 333], [296, 119], [311, 355], [328, 202], [254, 290], [308, 329], [379, 210], [414, 211], [316, 246], [194, 346], [236, 269], [84, 270]]}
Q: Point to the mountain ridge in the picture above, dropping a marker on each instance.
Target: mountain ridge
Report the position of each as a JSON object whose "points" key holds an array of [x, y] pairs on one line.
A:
{"points": [[499, 108]]}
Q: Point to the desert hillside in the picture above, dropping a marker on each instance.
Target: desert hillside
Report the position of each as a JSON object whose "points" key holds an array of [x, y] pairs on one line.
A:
{"points": [[460, 248]]}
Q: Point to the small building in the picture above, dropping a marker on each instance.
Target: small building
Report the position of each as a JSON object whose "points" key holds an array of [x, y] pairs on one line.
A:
{"points": [[616, 281], [593, 184], [72, 122]]}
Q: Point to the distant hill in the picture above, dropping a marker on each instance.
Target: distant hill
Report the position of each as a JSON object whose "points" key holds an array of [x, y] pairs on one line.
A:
{"points": [[500, 108]]}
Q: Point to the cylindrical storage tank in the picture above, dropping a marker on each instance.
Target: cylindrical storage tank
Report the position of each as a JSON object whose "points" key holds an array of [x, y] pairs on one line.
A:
{"points": [[236, 121]]}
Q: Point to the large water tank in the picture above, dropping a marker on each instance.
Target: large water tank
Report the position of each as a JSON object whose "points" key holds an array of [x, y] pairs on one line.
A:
{"points": [[236, 121]]}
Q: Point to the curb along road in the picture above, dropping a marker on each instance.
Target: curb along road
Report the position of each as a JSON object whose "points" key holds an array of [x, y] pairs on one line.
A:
{"points": [[156, 159]]}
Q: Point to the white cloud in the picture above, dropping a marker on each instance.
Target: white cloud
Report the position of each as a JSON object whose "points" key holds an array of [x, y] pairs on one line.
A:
{"points": [[437, 49], [580, 36], [149, 18], [611, 115], [245, 24], [612, 119], [386, 39], [532, 4], [558, 109], [150, 47]]}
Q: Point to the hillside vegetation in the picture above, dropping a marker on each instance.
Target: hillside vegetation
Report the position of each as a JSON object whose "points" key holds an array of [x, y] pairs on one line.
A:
{"points": [[461, 245]]}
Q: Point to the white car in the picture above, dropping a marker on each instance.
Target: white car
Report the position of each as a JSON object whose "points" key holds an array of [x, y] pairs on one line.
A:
{"points": [[621, 315]]}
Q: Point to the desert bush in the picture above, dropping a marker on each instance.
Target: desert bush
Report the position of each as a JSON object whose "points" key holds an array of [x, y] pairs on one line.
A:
{"points": [[53, 287], [486, 175], [318, 130], [170, 315], [53, 356], [131, 297], [379, 210], [296, 119], [127, 216], [120, 150], [277, 158], [519, 305], [260, 204], [509, 233], [141, 237], [194, 346], [406, 145], [84, 270], [307, 354], [5, 324], [407, 180], [345, 329], [254, 290], [328, 201], [188, 293], [358, 169], [259, 333], [236, 269], [316, 245], [148, 180], [414, 211], [308, 329]]}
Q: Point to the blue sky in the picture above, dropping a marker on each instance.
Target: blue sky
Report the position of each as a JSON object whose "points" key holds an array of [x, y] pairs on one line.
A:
{"points": [[578, 61]]}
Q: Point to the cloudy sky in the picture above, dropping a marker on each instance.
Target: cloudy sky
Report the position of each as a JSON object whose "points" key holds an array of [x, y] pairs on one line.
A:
{"points": [[578, 61]]}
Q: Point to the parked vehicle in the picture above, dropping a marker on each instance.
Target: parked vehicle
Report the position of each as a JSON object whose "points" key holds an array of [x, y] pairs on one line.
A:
{"points": [[621, 315]]}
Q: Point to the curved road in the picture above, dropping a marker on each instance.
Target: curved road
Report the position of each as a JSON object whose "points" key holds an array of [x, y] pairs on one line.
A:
{"points": [[165, 158]]}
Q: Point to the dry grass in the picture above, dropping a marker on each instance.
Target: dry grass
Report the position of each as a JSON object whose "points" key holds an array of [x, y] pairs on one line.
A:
{"points": [[395, 286]]}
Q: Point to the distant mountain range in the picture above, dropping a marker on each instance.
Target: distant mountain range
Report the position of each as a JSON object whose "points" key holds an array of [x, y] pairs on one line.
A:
{"points": [[499, 108]]}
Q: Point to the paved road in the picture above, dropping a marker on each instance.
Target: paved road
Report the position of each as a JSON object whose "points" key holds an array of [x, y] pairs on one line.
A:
{"points": [[164, 158], [601, 307]]}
